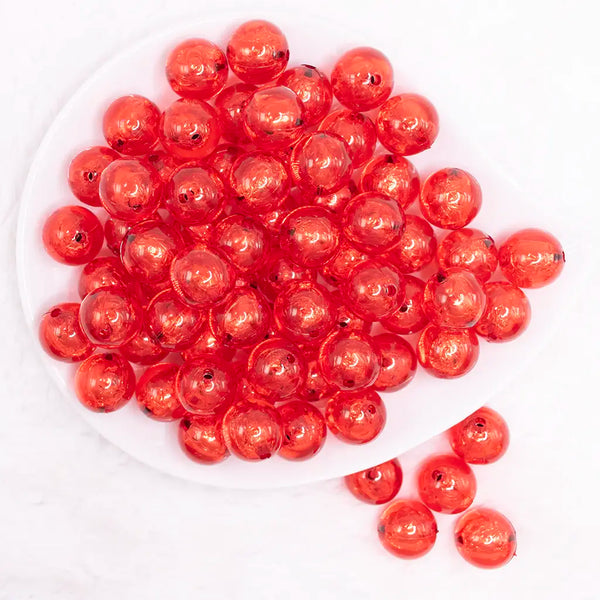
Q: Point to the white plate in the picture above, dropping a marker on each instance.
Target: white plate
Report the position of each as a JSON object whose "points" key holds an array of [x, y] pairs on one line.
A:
{"points": [[424, 408]]}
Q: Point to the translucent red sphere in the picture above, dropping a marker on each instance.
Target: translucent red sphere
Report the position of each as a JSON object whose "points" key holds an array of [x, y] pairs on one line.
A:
{"points": [[103, 271], [114, 232], [61, 335], [312, 88], [156, 395], [201, 438], [398, 362], [85, 171], [230, 105], [280, 270], [304, 430], [338, 268], [143, 348], [378, 484], [410, 316], [416, 248]]}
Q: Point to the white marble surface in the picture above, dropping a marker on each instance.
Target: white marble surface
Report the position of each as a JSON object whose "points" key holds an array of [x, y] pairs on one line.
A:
{"points": [[79, 519]]}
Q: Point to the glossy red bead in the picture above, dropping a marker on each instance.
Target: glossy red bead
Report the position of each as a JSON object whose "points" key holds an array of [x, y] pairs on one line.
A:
{"points": [[230, 105], [407, 124], [222, 159], [104, 382], [450, 198], [143, 348], [130, 125], [61, 335], [335, 201], [156, 395], [447, 353], [485, 538], [114, 232], [398, 362], [315, 386], [481, 438], [410, 316], [346, 320], [416, 248], [362, 79], [85, 170], [201, 438], [355, 417], [312, 88], [103, 271], [304, 430], [531, 258], [392, 175], [338, 268], [162, 162], [378, 484], [207, 343], [407, 529], [72, 235], [280, 270]]}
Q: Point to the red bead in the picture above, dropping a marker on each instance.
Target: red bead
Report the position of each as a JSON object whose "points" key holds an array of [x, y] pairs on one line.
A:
{"points": [[362, 79], [202, 277], [104, 382], [273, 117], [280, 270], [163, 163], [338, 268], [143, 349], [259, 182], [356, 129], [61, 336], [72, 235], [455, 299], [258, 52], [304, 312], [355, 417], [378, 484], [114, 232], [416, 248], [450, 198], [309, 235], [304, 430], [230, 104], [273, 219], [104, 271], [196, 68], [173, 324], [312, 88], [407, 124], [335, 201], [252, 429], [373, 222], [243, 319], [447, 353], [201, 438], [156, 395], [320, 162], [485, 538], [130, 125], [208, 343], [409, 317], [349, 361], [85, 170], [481, 438], [315, 387], [407, 529], [276, 368], [507, 312], [531, 258], [398, 362], [194, 194], [148, 250], [393, 176], [189, 129], [222, 159], [130, 189], [346, 320], [446, 484], [374, 290]]}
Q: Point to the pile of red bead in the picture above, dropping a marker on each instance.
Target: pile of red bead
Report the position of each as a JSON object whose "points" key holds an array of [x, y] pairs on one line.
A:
{"points": [[260, 253]]}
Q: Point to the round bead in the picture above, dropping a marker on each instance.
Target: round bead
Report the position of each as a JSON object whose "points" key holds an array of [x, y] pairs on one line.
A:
{"points": [[410, 316], [252, 429], [273, 117], [446, 484], [273, 219], [398, 362], [373, 222], [374, 290], [258, 52], [485, 538], [393, 176], [407, 124], [110, 316], [222, 159], [61, 335], [355, 417], [201, 438], [416, 248], [72, 235], [162, 162], [481, 438], [315, 387], [309, 235], [338, 268], [470, 250], [362, 79], [143, 349], [455, 299], [156, 395], [531, 258], [104, 382], [202, 277], [114, 232], [130, 125], [304, 430], [335, 201], [321, 163], [349, 361], [378, 484], [346, 320], [280, 270], [130, 190], [447, 353], [104, 271], [85, 170], [312, 88], [356, 129], [407, 529], [207, 343], [196, 68], [189, 129], [450, 198], [230, 105]]}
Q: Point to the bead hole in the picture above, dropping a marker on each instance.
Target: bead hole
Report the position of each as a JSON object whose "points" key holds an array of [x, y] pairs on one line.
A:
{"points": [[208, 375], [403, 308], [55, 312], [375, 79]]}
